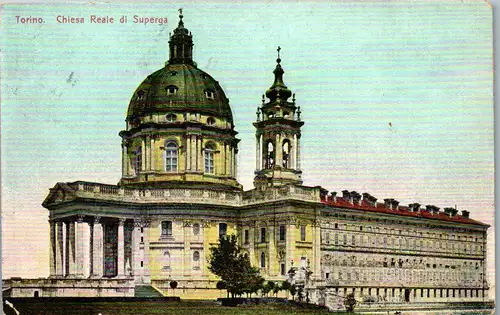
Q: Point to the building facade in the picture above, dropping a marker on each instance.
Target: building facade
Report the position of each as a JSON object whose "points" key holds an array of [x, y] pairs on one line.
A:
{"points": [[179, 193]]}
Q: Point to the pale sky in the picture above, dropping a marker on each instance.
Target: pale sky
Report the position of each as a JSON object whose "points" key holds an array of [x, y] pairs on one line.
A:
{"points": [[423, 67]]}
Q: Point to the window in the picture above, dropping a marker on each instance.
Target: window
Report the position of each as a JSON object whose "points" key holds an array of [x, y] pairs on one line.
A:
{"points": [[282, 232], [245, 236], [262, 235], [196, 256], [196, 229], [209, 94], [138, 160], [166, 261], [303, 262], [140, 95], [209, 159], [282, 269], [286, 153], [171, 157], [303, 233], [222, 229], [210, 121], [171, 117], [172, 90], [166, 228], [262, 260], [269, 155], [173, 73]]}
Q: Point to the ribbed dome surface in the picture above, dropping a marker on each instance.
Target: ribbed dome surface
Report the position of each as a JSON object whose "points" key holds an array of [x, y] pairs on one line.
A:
{"points": [[179, 87]]}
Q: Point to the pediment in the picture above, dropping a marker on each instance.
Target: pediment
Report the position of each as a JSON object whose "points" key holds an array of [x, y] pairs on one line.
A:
{"points": [[60, 193]]}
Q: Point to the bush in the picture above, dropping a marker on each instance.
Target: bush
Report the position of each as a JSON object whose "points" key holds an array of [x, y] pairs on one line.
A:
{"points": [[349, 302], [173, 284]]}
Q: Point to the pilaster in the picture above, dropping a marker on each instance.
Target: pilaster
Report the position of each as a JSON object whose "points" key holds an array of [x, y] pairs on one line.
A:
{"points": [[145, 271], [187, 249], [66, 250], [136, 251], [272, 251]]}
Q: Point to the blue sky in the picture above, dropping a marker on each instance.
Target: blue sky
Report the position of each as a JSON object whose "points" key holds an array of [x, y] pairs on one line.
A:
{"points": [[397, 98]]}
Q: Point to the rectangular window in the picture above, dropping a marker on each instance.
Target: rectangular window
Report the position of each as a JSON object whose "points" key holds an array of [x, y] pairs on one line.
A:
{"points": [[303, 261], [303, 233], [222, 229], [262, 235], [282, 269], [166, 228], [245, 237], [282, 232]]}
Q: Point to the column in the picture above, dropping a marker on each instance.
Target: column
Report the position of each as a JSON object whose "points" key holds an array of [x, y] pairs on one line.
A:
{"points": [[121, 248], [143, 159], [279, 151], [59, 249], [98, 257], [66, 249], [187, 249], [187, 153], [294, 152], [147, 156], [72, 249], [272, 250], [199, 154], [257, 153], [79, 231], [136, 255], [145, 270], [298, 154], [152, 154], [261, 157], [52, 250], [251, 249], [124, 160], [91, 249], [193, 152]]}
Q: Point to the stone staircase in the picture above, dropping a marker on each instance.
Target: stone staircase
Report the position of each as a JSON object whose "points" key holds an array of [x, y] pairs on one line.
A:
{"points": [[146, 291]]}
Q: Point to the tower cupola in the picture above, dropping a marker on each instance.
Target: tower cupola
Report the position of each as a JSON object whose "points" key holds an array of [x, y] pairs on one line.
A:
{"points": [[278, 134], [181, 44]]}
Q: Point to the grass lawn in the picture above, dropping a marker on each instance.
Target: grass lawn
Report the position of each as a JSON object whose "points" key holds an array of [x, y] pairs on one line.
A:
{"points": [[164, 308]]}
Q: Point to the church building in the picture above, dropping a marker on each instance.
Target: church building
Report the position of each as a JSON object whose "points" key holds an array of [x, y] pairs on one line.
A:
{"points": [[179, 193]]}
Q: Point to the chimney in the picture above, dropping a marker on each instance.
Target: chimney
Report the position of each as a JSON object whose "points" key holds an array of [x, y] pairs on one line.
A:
{"points": [[323, 193], [334, 196], [390, 203], [356, 198], [465, 213], [449, 211], [414, 207], [347, 196], [369, 199], [395, 204], [454, 212]]}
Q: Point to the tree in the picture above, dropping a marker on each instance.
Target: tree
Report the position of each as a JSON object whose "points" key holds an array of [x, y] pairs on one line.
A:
{"points": [[349, 302], [173, 285], [227, 261], [293, 291], [286, 286]]}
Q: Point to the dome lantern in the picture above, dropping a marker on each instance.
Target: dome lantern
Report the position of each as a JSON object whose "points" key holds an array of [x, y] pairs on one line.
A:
{"points": [[181, 44]]}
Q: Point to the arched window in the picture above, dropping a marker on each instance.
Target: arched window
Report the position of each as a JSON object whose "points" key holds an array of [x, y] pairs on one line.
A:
{"points": [[196, 256], [171, 154], [286, 153], [141, 95], [172, 90], [209, 159], [210, 121], [269, 155], [138, 160], [262, 260], [196, 229], [209, 94]]}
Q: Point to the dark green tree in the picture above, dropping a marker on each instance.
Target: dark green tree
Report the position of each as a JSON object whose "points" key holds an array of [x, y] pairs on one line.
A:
{"points": [[286, 286], [293, 291], [227, 261]]}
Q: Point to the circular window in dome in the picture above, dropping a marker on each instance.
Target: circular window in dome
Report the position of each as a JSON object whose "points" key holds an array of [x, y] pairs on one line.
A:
{"points": [[171, 117], [210, 94], [210, 121]]}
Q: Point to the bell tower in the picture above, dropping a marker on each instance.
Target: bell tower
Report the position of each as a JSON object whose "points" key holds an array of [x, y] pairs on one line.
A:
{"points": [[278, 135]]}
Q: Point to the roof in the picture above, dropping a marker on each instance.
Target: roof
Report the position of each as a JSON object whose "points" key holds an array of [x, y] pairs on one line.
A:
{"points": [[190, 85], [401, 210]]}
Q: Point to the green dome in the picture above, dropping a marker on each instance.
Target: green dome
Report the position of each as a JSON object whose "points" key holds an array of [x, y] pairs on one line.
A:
{"points": [[179, 87]]}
